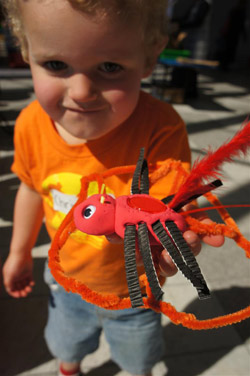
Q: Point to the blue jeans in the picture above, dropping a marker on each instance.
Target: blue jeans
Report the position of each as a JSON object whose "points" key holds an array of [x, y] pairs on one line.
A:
{"points": [[74, 326]]}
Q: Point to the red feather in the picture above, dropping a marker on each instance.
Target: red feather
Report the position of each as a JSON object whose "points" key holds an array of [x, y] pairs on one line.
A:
{"points": [[210, 165]]}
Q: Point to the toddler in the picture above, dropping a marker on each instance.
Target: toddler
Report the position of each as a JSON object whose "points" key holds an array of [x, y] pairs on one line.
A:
{"points": [[87, 59]]}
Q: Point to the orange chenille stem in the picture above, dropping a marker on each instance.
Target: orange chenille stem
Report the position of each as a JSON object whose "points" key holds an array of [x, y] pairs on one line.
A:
{"points": [[112, 301]]}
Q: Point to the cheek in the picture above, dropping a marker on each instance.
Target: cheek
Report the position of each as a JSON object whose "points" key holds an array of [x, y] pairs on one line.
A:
{"points": [[124, 98], [48, 92], [124, 91]]}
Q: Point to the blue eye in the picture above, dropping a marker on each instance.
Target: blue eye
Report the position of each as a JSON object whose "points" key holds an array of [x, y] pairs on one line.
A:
{"points": [[109, 67], [55, 65], [89, 211]]}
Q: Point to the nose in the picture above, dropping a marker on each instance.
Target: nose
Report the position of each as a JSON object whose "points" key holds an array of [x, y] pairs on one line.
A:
{"points": [[82, 89]]}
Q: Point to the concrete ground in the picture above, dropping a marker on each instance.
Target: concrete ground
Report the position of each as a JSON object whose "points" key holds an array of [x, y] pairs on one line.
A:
{"points": [[212, 118]]}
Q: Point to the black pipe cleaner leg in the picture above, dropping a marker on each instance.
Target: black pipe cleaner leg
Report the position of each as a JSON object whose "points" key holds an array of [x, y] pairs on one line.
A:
{"points": [[166, 241], [145, 250], [144, 183], [140, 182], [130, 267], [188, 256]]}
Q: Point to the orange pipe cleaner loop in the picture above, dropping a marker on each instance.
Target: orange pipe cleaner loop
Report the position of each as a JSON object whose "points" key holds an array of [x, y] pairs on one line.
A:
{"points": [[112, 301]]}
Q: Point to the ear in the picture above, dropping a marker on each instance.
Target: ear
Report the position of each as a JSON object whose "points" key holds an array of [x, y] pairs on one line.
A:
{"points": [[152, 56], [25, 52]]}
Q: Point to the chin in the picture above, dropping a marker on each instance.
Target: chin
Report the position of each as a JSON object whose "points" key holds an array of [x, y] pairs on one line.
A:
{"points": [[94, 135]]}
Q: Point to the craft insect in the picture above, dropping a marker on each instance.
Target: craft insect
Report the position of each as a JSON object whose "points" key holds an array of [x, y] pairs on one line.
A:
{"points": [[139, 217], [152, 221]]}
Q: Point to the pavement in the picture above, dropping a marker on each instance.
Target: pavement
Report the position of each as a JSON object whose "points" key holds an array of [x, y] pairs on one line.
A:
{"points": [[212, 118]]}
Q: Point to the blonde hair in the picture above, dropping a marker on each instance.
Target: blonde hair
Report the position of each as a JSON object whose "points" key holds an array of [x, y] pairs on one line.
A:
{"points": [[150, 14]]}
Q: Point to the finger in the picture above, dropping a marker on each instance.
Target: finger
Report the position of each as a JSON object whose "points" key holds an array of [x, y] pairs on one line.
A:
{"points": [[28, 290], [167, 266], [193, 241], [26, 287], [114, 238], [21, 285], [138, 257], [14, 293], [20, 293], [25, 292], [20, 289], [213, 240], [29, 282]]}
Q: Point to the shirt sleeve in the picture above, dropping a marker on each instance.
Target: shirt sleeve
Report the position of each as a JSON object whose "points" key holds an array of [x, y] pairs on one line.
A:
{"points": [[23, 154]]}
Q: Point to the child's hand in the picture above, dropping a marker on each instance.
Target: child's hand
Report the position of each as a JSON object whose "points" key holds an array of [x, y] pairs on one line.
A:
{"points": [[166, 264], [114, 238], [17, 276]]}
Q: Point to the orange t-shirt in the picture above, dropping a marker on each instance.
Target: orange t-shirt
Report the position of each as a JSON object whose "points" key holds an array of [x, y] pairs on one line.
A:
{"points": [[47, 164]]}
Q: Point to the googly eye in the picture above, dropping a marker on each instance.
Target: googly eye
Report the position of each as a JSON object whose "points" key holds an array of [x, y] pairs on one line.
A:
{"points": [[89, 211]]}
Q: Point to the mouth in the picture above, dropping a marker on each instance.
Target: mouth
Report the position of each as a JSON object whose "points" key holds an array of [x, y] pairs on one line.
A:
{"points": [[86, 110]]}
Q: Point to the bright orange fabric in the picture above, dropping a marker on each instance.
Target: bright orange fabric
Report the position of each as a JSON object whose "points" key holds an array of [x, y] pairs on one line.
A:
{"points": [[54, 169]]}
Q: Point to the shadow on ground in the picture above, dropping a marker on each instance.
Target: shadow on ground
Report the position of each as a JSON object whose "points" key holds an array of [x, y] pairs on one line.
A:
{"points": [[184, 341]]}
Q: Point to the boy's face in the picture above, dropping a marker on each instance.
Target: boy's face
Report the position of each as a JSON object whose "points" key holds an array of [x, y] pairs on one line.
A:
{"points": [[86, 74]]}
